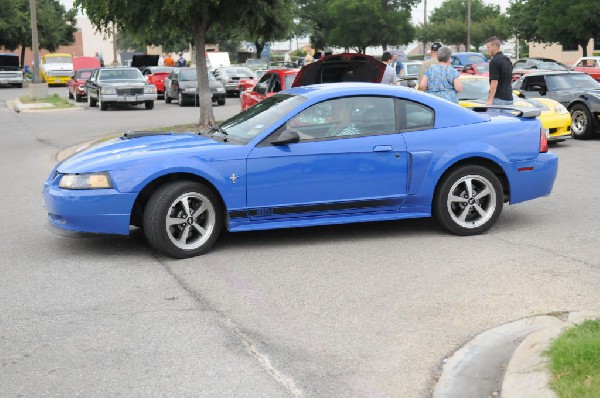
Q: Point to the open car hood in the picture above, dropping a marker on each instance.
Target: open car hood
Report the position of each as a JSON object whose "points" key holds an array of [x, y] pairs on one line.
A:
{"points": [[85, 63], [9, 60], [141, 61], [337, 68]]}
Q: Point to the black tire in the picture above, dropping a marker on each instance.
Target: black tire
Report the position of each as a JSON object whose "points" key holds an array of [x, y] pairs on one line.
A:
{"points": [[167, 203], [103, 105], [221, 102], [167, 98], [19, 85], [78, 97], [149, 104], [70, 95], [181, 99], [582, 126], [91, 101], [460, 213]]}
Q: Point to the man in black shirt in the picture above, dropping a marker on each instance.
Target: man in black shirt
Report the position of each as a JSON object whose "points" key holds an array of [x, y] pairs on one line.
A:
{"points": [[500, 75]]}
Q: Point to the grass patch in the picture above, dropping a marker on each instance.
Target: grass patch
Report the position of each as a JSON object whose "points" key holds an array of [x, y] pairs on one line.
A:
{"points": [[54, 99], [575, 361]]}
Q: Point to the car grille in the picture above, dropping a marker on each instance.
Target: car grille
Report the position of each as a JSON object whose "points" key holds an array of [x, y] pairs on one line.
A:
{"points": [[10, 75], [130, 91]]}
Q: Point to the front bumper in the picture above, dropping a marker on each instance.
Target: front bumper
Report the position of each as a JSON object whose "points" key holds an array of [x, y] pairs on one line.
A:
{"points": [[129, 99], [57, 79], [558, 125], [11, 80], [97, 211]]}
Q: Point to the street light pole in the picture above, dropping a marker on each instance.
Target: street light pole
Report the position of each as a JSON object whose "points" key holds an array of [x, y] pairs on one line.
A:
{"points": [[468, 25], [34, 43], [425, 26]]}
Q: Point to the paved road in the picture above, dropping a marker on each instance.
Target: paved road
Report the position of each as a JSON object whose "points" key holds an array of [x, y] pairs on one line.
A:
{"points": [[356, 310]]}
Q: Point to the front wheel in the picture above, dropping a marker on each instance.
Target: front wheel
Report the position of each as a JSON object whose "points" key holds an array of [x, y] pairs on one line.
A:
{"points": [[181, 100], [78, 97], [91, 101], [149, 104], [103, 105], [221, 101], [183, 219], [581, 126], [468, 201]]}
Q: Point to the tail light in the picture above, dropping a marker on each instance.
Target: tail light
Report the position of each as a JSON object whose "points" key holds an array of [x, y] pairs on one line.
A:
{"points": [[543, 141]]}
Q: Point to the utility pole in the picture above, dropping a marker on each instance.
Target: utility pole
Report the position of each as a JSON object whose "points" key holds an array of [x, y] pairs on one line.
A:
{"points": [[468, 25], [34, 43], [114, 44], [425, 26]]}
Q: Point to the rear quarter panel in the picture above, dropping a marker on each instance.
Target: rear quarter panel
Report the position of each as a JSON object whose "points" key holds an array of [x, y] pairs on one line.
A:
{"points": [[504, 140]]}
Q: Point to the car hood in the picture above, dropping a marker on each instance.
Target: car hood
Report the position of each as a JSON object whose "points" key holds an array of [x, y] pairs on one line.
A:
{"points": [[348, 67], [135, 147], [9, 60], [120, 83], [85, 63]]}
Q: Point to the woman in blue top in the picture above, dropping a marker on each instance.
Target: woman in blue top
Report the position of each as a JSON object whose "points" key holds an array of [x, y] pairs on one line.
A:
{"points": [[441, 79]]}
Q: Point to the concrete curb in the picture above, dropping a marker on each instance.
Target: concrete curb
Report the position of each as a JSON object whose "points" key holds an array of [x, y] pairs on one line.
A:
{"points": [[478, 368], [20, 107], [62, 155]]}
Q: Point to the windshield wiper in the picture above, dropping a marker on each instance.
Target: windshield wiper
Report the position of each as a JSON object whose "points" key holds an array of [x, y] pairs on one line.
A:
{"points": [[219, 129]]}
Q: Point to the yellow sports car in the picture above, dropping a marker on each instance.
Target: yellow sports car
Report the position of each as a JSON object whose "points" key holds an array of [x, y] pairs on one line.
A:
{"points": [[555, 118]]}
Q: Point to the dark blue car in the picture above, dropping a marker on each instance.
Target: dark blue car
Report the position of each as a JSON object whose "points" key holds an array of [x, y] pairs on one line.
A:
{"points": [[314, 155]]}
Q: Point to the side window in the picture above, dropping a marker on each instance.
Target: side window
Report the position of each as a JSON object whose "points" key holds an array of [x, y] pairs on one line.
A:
{"points": [[344, 117], [415, 116], [263, 84], [275, 84], [534, 83]]}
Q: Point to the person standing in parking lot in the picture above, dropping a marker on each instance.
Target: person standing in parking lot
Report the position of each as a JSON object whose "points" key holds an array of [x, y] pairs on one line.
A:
{"points": [[500, 75], [431, 61], [441, 79], [389, 76], [181, 62], [169, 61]]}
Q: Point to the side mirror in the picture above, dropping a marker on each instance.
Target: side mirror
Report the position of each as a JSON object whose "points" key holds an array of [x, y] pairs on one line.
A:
{"points": [[287, 137]]}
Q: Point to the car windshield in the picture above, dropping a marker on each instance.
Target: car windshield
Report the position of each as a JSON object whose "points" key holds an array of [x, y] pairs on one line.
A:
{"points": [[474, 59], [571, 81], [474, 89], [187, 75], [248, 124], [412, 69], [288, 80], [120, 74], [84, 74], [483, 68], [552, 66], [58, 60]]}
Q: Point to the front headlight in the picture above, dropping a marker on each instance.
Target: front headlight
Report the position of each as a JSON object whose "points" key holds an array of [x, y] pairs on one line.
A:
{"points": [[560, 109], [108, 90], [85, 181], [150, 89], [190, 90]]}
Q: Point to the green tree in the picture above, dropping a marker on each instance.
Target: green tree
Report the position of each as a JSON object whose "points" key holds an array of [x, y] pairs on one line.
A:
{"points": [[56, 25], [191, 20], [274, 22], [561, 22], [448, 23]]}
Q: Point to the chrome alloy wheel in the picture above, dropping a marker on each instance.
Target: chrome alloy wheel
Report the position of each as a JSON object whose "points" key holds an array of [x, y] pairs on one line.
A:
{"points": [[580, 122], [190, 221], [471, 201]]}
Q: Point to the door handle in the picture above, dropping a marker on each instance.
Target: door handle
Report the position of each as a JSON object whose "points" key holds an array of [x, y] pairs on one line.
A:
{"points": [[382, 148]]}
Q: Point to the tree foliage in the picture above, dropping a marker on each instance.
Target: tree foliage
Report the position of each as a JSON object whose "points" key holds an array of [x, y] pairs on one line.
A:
{"points": [[56, 25], [575, 21], [448, 23], [191, 20], [358, 23]]}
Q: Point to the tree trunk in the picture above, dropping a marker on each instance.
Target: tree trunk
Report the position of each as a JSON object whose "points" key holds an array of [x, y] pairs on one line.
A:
{"points": [[384, 47], [23, 48], [207, 117], [584, 48], [260, 46]]}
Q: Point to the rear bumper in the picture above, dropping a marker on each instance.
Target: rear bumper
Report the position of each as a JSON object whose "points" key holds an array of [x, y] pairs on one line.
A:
{"points": [[57, 79], [532, 179], [191, 97]]}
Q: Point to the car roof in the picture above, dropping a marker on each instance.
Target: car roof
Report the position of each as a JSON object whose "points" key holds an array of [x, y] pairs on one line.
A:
{"points": [[554, 72]]}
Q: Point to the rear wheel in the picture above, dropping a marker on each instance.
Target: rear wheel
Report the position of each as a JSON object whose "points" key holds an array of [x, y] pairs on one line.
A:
{"points": [[70, 95], [78, 97], [468, 201], [167, 98], [149, 104], [581, 126], [183, 219], [221, 101], [181, 99]]}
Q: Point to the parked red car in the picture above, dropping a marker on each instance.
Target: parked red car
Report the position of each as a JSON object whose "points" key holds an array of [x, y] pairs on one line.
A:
{"points": [[82, 70], [589, 65], [246, 84], [482, 69], [270, 83], [156, 75]]}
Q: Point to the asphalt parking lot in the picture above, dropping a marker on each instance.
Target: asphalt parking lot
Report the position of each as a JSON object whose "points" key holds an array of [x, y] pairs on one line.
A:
{"points": [[353, 310]]}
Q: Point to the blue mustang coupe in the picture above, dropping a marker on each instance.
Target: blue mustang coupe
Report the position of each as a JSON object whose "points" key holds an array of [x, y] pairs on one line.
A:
{"points": [[313, 155]]}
